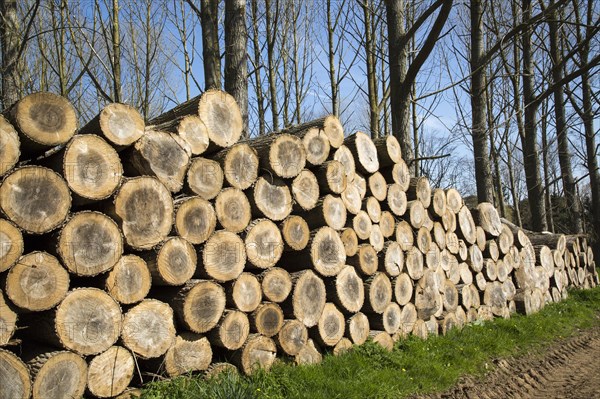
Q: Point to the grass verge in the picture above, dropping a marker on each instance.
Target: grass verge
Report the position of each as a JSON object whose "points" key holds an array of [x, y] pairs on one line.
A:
{"points": [[414, 366]]}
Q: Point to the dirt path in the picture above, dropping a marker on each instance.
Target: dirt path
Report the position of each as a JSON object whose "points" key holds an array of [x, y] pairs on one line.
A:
{"points": [[569, 369]]}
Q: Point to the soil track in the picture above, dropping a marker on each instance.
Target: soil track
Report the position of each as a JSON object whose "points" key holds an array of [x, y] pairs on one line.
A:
{"points": [[568, 369]]}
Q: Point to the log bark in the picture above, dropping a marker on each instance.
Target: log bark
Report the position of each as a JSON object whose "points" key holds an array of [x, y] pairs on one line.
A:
{"points": [[43, 120], [173, 262], [119, 124], [419, 189], [10, 146], [110, 372], [195, 219], [90, 243], [240, 165], [388, 150], [129, 281], [204, 178], [36, 199], [11, 244], [190, 128], [365, 261], [37, 282], [163, 155], [281, 154], [143, 208]]}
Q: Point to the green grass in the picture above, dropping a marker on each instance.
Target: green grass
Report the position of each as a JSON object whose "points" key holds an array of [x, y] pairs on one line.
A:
{"points": [[414, 366]]}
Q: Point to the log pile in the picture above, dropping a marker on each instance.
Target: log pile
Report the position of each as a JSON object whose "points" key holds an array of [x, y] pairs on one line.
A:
{"points": [[130, 249]]}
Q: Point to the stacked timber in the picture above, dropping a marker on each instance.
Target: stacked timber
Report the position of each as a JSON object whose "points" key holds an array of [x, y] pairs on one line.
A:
{"points": [[131, 249]]}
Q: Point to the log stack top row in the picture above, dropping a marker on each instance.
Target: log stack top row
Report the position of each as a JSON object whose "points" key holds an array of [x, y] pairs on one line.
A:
{"points": [[132, 248]]}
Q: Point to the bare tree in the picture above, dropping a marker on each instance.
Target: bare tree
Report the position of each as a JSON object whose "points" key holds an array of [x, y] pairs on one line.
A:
{"points": [[9, 37], [236, 56]]}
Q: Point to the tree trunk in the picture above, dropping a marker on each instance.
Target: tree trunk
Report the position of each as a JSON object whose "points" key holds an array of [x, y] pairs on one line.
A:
{"points": [[236, 65], [211, 54], [10, 40]]}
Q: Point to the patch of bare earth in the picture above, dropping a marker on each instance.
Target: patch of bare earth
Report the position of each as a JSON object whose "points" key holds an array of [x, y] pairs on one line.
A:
{"points": [[568, 369]]}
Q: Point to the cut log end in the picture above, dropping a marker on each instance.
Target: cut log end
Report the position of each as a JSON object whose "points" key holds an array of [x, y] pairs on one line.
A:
{"points": [[120, 124], [264, 244], [110, 372], [233, 209], [205, 178], [195, 219], [276, 284], [129, 281], [11, 244], [14, 375], [224, 256], [221, 114], [9, 146], [295, 232], [174, 263], [58, 374]]}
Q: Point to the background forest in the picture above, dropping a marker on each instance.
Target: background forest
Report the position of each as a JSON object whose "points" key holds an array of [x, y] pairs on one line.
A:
{"points": [[497, 98]]}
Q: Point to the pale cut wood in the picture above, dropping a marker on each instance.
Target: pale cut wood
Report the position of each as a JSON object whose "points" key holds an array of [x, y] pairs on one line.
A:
{"points": [[56, 374], [11, 244], [14, 376], [295, 232], [223, 256], [120, 124], [350, 241], [90, 243], [37, 282], [419, 189], [149, 328], [129, 281], [396, 200], [365, 151], [545, 258], [233, 210], [389, 321], [43, 120], [494, 297], [190, 352], [345, 157], [378, 290], [439, 235], [414, 263], [392, 259], [352, 199], [502, 271], [90, 166], [198, 305], [331, 326], [343, 346], [329, 211], [448, 323], [465, 295], [486, 216], [204, 178], [383, 339], [438, 202], [8, 320], [398, 173], [403, 289], [377, 186], [365, 261], [87, 321], [326, 254], [218, 368], [376, 238], [9, 146], [428, 299], [467, 225], [195, 219], [317, 146], [36, 199], [416, 213], [490, 270], [481, 238], [348, 292], [331, 177], [433, 257], [160, 154], [173, 262], [231, 333], [361, 223], [239, 164], [281, 154], [329, 125], [309, 354], [491, 250], [373, 209], [292, 337], [466, 275], [387, 224], [276, 284], [219, 112], [454, 200], [449, 296], [420, 329], [110, 372], [143, 207], [452, 243], [257, 353], [271, 198], [308, 297], [357, 329], [449, 220], [267, 319], [190, 128], [305, 190], [556, 241], [264, 244], [245, 293], [388, 150], [423, 240], [475, 259], [404, 235], [360, 183]]}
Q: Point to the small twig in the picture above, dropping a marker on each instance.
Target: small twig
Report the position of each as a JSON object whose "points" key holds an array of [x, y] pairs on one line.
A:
{"points": [[427, 158]]}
